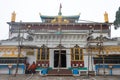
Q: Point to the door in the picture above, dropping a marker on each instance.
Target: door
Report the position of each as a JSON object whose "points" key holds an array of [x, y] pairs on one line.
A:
{"points": [[59, 61]]}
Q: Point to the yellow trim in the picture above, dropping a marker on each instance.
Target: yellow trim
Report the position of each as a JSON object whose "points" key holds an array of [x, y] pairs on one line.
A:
{"points": [[9, 48], [108, 49], [40, 53], [71, 52], [79, 53], [11, 55], [74, 53], [10, 51], [37, 54]]}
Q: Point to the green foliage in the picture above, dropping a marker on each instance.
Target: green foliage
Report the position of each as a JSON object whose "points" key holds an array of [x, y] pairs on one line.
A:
{"points": [[117, 19]]}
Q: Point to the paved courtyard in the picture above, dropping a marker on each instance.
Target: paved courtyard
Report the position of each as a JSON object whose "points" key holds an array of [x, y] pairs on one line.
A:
{"points": [[38, 77]]}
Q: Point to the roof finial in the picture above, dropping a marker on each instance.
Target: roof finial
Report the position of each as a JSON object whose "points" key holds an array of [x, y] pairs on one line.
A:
{"points": [[13, 16], [60, 13], [106, 17]]}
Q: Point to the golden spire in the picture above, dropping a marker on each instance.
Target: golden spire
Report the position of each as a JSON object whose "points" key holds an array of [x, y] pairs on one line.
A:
{"points": [[13, 17], [106, 17], [59, 19]]}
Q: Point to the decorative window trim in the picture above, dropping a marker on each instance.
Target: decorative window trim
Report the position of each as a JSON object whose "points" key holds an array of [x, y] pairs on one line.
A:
{"points": [[79, 53]]}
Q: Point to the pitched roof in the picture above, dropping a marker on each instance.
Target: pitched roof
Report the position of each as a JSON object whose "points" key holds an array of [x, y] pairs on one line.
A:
{"points": [[64, 17]]}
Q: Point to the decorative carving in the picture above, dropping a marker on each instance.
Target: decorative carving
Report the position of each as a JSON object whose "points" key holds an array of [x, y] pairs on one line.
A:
{"points": [[76, 46], [90, 38], [29, 38], [60, 46], [103, 39]]}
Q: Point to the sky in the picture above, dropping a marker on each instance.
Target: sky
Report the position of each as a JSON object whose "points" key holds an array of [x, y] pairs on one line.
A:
{"points": [[28, 11]]}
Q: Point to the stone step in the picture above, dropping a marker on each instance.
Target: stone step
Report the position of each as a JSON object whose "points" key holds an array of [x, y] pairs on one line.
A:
{"points": [[60, 72]]}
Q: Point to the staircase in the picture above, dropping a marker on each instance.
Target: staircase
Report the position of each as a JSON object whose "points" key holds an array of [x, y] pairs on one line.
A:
{"points": [[60, 72]]}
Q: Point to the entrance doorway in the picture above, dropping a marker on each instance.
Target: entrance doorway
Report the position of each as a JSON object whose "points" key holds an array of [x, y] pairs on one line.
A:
{"points": [[62, 58]]}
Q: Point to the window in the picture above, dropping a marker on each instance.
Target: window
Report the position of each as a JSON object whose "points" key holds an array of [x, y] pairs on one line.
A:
{"points": [[77, 57], [76, 54], [43, 54]]}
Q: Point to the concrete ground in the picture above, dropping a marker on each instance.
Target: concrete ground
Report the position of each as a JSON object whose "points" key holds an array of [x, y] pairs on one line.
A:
{"points": [[38, 77]]}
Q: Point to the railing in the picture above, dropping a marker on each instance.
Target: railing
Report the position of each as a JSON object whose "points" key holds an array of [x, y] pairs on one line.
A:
{"points": [[11, 60]]}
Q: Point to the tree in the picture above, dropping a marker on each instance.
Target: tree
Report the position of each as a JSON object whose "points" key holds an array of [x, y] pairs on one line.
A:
{"points": [[117, 19]]}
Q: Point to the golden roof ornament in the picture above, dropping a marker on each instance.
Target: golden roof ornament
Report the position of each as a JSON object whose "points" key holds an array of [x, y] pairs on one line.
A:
{"points": [[13, 17], [106, 17], [59, 18]]}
